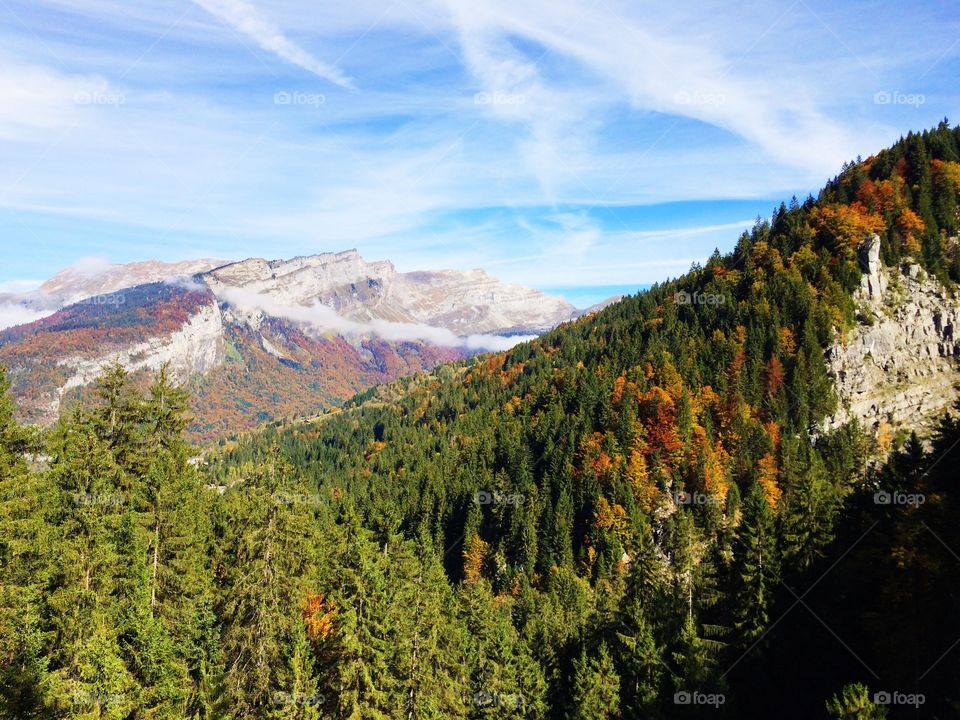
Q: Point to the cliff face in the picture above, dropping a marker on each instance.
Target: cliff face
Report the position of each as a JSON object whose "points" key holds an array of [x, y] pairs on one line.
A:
{"points": [[901, 364], [197, 347], [462, 302], [248, 338]]}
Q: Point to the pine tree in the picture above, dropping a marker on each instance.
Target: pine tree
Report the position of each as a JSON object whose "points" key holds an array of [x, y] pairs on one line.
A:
{"points": [[429, 640], [85, 662], [355, 669], [638, 661], [25, 538], [854, 703], [271, 540], [810, 509], [504, 679], [596, 687], [756, 567]]}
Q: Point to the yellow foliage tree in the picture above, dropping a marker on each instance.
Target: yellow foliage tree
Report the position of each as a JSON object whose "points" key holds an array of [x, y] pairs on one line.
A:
{"points": [[638, 477], [767, 477], [319, 615], [474, 558]]}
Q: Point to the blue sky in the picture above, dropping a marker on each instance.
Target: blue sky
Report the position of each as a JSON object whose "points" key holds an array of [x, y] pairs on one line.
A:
{"points": [[576, 145]]}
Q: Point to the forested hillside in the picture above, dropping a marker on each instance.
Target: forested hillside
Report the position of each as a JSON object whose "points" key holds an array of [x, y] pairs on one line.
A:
{"points": [[637, 515]]}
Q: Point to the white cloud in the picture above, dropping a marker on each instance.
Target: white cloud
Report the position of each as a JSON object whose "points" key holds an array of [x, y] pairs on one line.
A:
{"points": [[323, 318], [244, 17], [39, 100], [89, 267], [186, 282], [13, 313], [653, 65]]}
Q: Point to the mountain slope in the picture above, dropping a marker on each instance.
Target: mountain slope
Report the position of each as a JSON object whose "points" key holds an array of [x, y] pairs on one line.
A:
{"points": [[642, 490], [259, 339], [639, 514], [90, 278]]}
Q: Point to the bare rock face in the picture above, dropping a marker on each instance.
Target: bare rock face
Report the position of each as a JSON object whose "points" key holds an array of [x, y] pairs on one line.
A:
{"points": [[901, 365], [197, 347], [463, 302], [874, 282]]}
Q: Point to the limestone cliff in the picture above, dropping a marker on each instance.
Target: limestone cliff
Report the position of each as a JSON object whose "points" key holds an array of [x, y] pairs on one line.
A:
{"points": [[901, 365], [197, 347]]}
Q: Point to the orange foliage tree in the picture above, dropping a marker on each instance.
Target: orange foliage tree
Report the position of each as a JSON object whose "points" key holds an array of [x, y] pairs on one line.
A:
{"points": [[844, 227]]}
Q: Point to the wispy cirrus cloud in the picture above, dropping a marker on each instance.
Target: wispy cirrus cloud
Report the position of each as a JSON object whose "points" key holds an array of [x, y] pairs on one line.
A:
{"points": [[477, 134], [244, 17], [649, 61]]}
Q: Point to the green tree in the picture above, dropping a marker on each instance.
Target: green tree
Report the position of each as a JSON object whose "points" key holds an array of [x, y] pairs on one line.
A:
{"points": [[272, 541], [756, 567], [854, 703], [596, 687]]}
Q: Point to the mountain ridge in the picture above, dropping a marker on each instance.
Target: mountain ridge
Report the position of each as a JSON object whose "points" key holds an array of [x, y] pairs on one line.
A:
{"points": [[279, 320], [615, 519]]}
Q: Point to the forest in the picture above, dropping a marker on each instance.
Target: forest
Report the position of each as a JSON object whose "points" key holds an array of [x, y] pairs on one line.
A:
{"points": [[637, 515]]}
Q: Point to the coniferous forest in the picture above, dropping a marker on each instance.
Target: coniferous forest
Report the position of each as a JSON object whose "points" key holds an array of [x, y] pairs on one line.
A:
{"points": [[637, 515]]}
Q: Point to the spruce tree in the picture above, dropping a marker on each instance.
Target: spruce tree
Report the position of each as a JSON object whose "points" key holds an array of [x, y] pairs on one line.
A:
{"points": [[756, 567], [596, 687]]}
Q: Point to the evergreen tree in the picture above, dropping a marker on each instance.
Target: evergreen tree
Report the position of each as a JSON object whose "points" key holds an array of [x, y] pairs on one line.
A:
{"points": [[596, 687], [854, 703], [25, 539], [756, 567], [270, 537]]}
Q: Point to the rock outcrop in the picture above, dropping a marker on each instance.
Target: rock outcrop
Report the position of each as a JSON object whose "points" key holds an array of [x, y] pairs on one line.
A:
{"points": [[900, 366], [197, 347]]}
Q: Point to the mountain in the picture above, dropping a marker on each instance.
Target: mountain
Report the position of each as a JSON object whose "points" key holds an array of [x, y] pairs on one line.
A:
{"points": [[91, 280], [258, 339], [705, 500], [92, 277], [464, 303]]}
